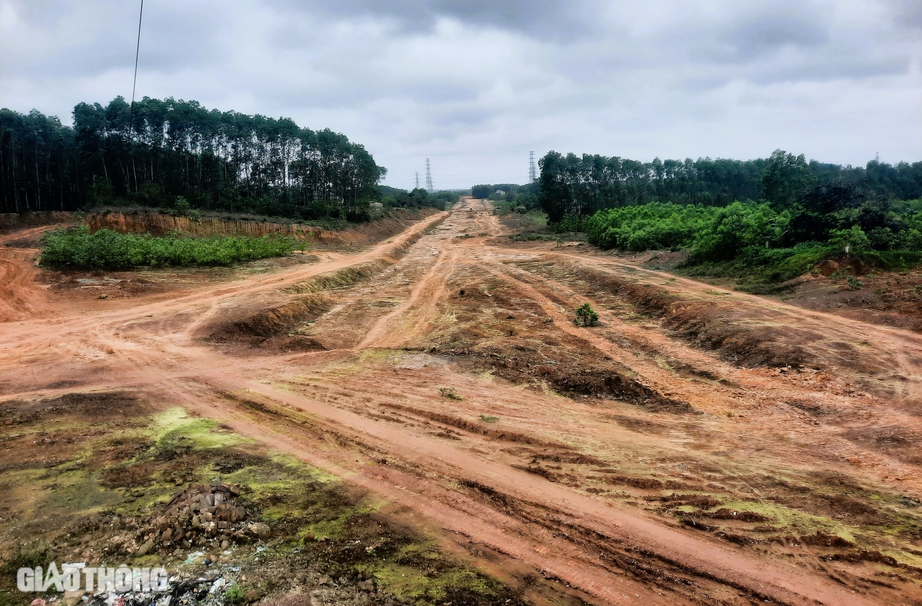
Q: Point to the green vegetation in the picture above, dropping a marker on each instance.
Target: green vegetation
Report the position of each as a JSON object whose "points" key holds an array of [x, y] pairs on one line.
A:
{"points": [[391, 197], [28, 556], [77, 248], [762, 221], [853, 283], [586, 316], [759, 244], [581, 186], [177, 154], [450, 393], [508, 197], [233, 594], [132, 469], [489, 419]]}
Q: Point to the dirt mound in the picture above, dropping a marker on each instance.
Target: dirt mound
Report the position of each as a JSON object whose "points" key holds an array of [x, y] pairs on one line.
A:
{"points": [[85, 405], [379, 230], [703, 323], [357, 273], [847, 265], [879, 297], [341, 278], [597, 380], [13, 222], [271, 327], [199, 516]]}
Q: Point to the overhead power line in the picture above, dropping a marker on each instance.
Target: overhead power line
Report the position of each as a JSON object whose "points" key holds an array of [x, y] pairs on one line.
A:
{"points": [[137, 56], [137, 52]]}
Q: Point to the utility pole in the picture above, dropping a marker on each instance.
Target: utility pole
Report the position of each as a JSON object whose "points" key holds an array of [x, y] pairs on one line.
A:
{"points": [[532, 173], [417, 179], [429, 187]]}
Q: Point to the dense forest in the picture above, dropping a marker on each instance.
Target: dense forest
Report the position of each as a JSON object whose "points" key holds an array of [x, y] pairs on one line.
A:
{"points": [[510, 195], [763, 220], [160, 151], [391, 197], [580, 186]]}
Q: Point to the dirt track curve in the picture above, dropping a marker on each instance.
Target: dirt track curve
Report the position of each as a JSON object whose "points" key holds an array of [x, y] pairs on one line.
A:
{"points": [[671, 412]]}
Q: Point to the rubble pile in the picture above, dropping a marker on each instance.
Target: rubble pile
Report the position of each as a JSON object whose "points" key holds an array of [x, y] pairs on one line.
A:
{"points": [[197, 517]]}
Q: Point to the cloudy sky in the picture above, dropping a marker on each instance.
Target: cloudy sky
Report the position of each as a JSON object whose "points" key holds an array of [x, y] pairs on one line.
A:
{"points": [[477, 84]]}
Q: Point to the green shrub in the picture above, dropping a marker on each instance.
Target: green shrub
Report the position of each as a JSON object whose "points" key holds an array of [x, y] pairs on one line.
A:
{"points": [[586, 316], [233, 594], [853, 239], [752, 241], [77, 248]]}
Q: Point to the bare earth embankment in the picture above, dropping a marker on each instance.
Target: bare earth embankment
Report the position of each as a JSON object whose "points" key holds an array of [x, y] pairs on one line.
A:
{"points": [[700, 446]]}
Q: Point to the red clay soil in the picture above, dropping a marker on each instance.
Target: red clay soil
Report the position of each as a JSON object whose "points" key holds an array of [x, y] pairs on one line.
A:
{"points": [[700, 446], [159, 224]]}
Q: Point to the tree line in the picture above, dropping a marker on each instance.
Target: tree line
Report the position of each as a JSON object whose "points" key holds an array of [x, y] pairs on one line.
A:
{"points": [[391, 197], [579, 186], [161, 151]]}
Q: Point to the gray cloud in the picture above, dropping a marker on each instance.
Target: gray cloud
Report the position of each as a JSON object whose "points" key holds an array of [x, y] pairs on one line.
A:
{"points": [[558, 20], [907, 13], [771, 31], [475, 85]]}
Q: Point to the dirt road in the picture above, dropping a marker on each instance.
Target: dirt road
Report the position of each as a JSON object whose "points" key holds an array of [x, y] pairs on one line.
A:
{"points": [[699, 446]]}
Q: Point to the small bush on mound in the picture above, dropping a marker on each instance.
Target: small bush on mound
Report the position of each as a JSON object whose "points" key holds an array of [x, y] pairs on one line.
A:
{"points": [[77, 248], [450, 393], [586, 316]]}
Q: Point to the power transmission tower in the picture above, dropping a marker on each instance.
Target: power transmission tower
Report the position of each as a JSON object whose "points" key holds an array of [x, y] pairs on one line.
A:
{"points": [[532, 173], [429, 187], [417, 180]]}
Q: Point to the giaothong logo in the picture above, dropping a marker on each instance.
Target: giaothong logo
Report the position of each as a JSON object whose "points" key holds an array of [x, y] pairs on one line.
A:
{"points": [[76, 577]]}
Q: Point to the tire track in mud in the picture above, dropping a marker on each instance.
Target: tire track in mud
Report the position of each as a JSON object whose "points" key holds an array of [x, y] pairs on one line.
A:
{"points": [[20, 296], [565, 324], [613, 553], [401, 482], [885, 349], [691, 567], [736, 380]]}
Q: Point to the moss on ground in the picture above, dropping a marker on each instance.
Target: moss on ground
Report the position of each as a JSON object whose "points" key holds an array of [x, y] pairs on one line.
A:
{"points": [[115, 468]]}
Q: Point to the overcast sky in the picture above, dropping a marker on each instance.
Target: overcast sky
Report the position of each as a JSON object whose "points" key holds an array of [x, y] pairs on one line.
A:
{"points": [[477, 84]]}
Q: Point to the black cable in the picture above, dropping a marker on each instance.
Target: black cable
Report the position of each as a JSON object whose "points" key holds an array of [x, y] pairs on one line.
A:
{"points": [[137, 55], [134, 86]]}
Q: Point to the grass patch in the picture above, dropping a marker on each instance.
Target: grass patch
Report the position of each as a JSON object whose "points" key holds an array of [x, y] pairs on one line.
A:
{"points": [[763, 271], [450, 393], [77, 248], [533, 236], [319, 523], [759, 270], [26, 557], [175, 426], [801, 522]]}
